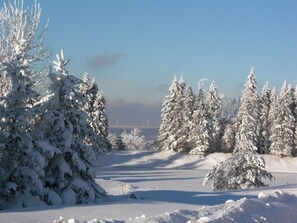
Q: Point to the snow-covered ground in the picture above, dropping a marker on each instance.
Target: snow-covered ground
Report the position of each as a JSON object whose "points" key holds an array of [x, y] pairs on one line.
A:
{"points": [[166, 187]]}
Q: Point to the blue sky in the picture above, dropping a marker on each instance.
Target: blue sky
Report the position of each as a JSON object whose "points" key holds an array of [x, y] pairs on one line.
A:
{"points": [[134, 48]]}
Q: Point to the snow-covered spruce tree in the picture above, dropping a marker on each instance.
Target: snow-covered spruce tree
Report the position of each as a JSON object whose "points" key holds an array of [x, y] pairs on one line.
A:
{"points": [[184, 115], [95, 108], [282, 131], [200, 126], [265, 103], [272, 116], [167, 113], [247, 119], [21, 162], [69, 173], [171, 119], [213, 102], [245, 168], [187, 115]]}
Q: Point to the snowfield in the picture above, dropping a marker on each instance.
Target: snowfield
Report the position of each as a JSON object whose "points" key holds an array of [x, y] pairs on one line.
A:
{"points": [[156, 187]]}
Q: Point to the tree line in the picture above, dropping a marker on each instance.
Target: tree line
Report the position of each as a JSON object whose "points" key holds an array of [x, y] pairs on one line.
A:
{"points": [[200, 123]]}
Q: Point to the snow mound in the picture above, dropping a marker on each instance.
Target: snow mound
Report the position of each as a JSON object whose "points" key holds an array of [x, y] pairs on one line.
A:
{"points": [[272, 207], [115, 188]]}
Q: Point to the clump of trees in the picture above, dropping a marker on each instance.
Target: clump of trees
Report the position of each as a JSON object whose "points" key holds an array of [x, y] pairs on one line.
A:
{"points": [[191, 122], [129, 140], [52, 124], [202, 123]]}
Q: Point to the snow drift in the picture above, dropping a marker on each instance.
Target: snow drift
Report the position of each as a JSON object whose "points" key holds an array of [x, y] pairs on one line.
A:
{"points": [[268, 207]]}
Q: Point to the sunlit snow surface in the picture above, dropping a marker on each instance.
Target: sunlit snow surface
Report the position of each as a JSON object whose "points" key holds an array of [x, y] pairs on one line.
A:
{"points": [[167, 187]]}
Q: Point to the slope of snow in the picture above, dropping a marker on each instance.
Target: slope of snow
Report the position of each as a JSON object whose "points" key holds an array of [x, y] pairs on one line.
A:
{"points": [[149, 159], [167, 187], [274, 208]]}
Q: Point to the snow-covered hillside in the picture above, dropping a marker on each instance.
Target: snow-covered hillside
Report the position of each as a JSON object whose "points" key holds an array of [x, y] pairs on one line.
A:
{"points": [[167, 187]]}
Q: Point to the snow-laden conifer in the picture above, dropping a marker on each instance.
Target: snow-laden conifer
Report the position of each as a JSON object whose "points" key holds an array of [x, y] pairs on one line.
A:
{"points": [[247, 119], [181, 118], [171, 119], [94, 106], [282, 131], [265, 103], [21, 161], [200, 126], [245, 168], [20, 36], [187, 104], [273, 108], [65, 128], [167, 113], [213, 102], [272, 116]]}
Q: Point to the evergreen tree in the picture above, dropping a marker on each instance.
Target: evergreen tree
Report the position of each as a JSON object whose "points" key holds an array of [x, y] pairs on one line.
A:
{"points": [[64, 127], [265, 102], [95, 108], [181, 118], [247, 119], [21, 162], [164, 137], [274, 107], [282, 131], [244, 169], [187, 113], [214, 106], [200, 126], [170, 131]]}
